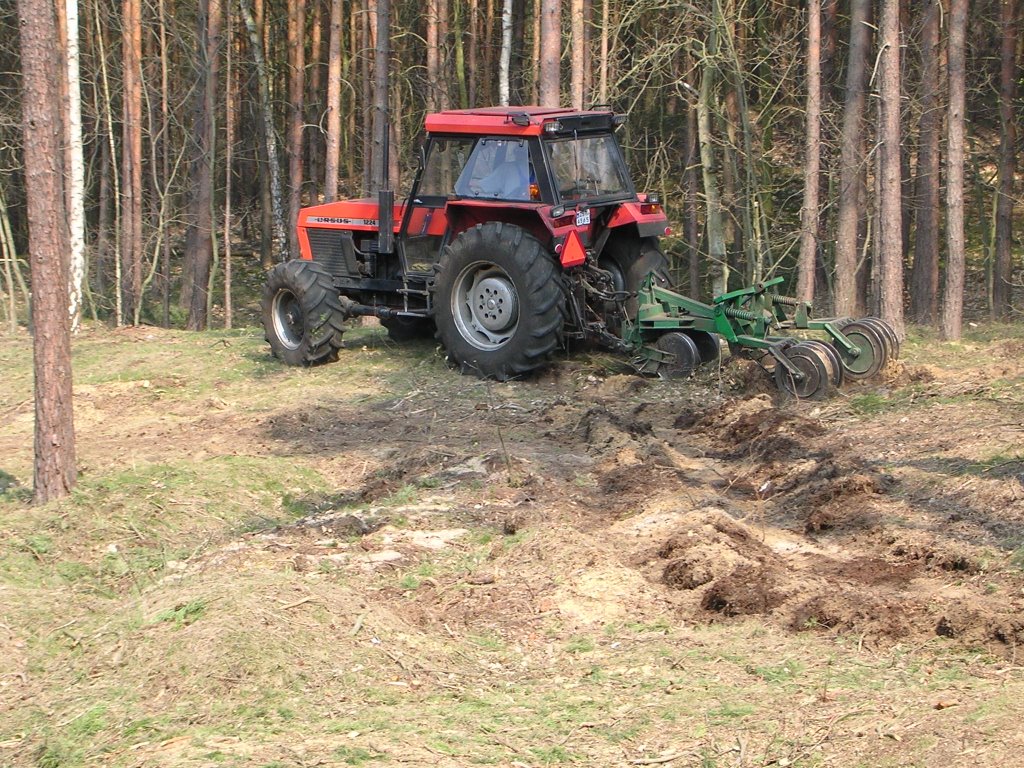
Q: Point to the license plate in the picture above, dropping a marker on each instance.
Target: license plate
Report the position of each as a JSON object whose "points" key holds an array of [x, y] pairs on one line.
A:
{"points": [[583, 218]]}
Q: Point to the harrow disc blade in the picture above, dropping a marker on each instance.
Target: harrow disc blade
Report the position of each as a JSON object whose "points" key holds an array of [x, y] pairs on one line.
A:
{"points": [[707, 345], [872, 351], [835, 365], [887, 332], [815, 381], [685, 352]]}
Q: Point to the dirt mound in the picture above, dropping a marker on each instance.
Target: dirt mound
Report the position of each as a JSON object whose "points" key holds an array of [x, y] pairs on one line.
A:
{"points": [[755, 427]]}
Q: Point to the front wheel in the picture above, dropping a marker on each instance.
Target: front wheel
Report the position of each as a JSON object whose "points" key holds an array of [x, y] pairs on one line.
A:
{"points": [[497, 301], [302, 315]]}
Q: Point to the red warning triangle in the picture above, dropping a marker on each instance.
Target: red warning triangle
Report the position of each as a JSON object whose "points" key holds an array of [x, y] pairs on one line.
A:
{"points": [[573, 252]]}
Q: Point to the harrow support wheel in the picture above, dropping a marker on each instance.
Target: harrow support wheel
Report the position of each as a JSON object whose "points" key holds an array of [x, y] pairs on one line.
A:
{"points": [[872, 357], [815, 382], [685, 351]]}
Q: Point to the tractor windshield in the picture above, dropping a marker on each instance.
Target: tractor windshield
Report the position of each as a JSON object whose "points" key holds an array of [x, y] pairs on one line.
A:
{"points": [[588, 167]]}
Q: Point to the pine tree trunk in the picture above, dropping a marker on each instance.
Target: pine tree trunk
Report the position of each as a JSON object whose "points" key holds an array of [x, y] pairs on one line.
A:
{"points": [[924, 276], [550, 53], [577, 19], [131, 159], [953, 300], [812, 157], [849, 300], [890, 204], [199, 244], [229, 146], [381, 65], [296, 116], [1002, 275], [54, 463], [334, 67], [314, 106]]}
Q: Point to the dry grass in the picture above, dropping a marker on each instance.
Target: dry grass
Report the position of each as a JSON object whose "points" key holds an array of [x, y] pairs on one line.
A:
{"points": [[171, 613]]}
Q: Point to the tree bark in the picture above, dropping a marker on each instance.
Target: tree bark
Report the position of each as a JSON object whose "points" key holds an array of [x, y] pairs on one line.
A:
{"points": [[381, 66], [296, 116], [550, 53], [953, 300], [54, 463], [334, 62], [890, 204], [268, 134], [924, 276], [131, 160], [76, 166], [199, 236], [504, 90], [1002, 273], [812, 157], [578, 22], [848, 299]]}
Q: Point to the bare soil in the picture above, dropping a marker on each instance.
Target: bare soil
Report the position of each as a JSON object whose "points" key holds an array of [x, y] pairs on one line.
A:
{"points": [[454, 518]]}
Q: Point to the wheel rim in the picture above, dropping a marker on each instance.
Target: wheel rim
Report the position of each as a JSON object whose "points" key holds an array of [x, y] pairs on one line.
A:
{"points": [[287, 315], [485, 305]]}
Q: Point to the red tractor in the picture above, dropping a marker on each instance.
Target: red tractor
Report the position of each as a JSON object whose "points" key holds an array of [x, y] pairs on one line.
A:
{"points": [[522, 231]]}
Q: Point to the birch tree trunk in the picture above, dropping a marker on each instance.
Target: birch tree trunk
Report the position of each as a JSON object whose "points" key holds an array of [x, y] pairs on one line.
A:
{"points": [[269, 137], [76, 169], [953, 301], [506, 53], [890, 205], [54, 463]]}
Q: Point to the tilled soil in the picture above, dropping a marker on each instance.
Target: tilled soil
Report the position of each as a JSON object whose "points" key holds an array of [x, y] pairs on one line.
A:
{"points": [[713, 508]]}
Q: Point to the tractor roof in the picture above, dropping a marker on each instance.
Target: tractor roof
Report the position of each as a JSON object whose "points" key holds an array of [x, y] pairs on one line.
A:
{"points": [[519, 121]]}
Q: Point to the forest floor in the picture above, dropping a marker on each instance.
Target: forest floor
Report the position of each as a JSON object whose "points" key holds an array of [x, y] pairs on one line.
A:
{"points": [[380, 562]]}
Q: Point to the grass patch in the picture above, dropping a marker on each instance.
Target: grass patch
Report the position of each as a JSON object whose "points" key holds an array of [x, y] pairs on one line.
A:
{"points": [[183, 614]]}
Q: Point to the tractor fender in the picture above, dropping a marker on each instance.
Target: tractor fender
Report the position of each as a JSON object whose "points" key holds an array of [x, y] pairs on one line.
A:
{"points": [[464, 215], [649, 218]]}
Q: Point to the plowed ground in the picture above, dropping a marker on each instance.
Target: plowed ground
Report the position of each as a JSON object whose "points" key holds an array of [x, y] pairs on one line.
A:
{"points": [[382, 562]]}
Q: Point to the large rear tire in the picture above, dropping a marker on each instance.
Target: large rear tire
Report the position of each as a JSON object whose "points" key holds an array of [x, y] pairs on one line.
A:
{"points": [[630, 261], [497, 301], [302, 315]]}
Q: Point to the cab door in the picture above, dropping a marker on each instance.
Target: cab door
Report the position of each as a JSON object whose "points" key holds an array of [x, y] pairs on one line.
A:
{"points": [[424, 224]]}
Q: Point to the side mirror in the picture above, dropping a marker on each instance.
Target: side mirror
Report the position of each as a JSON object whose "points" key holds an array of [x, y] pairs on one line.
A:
{"points": [[422, 156]]}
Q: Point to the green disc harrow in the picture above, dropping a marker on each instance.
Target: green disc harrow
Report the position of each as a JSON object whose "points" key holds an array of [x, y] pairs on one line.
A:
{"points": [[672, 334]]}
